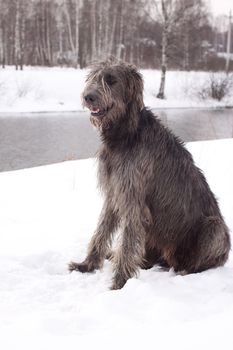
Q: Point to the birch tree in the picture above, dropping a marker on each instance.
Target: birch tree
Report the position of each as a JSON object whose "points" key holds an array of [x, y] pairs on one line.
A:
{"points": [[175, 16], [78, 6], [121, 28], [18, 58], [93, 30], [77, 32], [3, 29], [166, 12]]}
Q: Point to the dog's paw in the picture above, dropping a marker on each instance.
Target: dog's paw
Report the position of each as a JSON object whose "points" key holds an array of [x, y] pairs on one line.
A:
{"points": [[81, 267], [118, 283]]}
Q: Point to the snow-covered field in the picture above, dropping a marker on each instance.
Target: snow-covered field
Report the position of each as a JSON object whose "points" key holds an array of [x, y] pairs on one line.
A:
{"points": [[47, 217], [59, 89]]}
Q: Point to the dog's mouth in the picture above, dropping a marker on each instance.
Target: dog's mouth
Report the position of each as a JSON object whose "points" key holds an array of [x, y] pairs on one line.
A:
{"points": [[97, 112]]}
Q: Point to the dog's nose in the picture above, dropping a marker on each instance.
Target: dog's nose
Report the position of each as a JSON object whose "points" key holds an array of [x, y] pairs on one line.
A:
{"points": [[90, 98]]}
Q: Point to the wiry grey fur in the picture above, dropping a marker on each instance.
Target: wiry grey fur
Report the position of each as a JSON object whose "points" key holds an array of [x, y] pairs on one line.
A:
{"points": [[153, 192]]}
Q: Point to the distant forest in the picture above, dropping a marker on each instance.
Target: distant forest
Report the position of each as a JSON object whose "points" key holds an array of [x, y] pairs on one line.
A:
{"points": [[78, 32]]}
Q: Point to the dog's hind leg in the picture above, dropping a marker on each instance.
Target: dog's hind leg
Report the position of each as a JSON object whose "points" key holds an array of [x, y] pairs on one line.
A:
{"points": [[212, 246], [153, 256]]}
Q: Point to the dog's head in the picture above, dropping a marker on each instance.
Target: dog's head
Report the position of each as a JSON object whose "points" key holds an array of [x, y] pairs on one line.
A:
{"points": [[113, 89]]}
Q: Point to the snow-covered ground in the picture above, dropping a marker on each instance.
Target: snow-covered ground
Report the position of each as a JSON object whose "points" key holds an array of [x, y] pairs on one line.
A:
{"points": [[59, 89], [47, 217]]}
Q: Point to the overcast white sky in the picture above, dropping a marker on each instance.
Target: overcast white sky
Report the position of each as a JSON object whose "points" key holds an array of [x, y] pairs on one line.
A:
{"points": [[220, 7]]}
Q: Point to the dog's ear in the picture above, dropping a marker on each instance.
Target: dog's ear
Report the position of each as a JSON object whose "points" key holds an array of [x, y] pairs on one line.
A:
{"points": [[136, 87], [134, 96]]}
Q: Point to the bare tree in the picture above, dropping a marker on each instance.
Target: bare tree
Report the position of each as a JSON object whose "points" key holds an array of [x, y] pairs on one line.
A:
{"points": [[167, 16], [228, 44], [3, 29], [69, 26], [171, 33], [121, 27], [78, 5], [175, 17], [18, 54]]}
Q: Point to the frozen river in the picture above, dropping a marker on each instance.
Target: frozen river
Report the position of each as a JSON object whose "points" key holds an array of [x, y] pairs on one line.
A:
{"points": [[39, 139]]}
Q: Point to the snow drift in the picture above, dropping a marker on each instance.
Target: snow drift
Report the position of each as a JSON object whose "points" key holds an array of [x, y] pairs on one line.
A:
{"points": [[47, 217]]}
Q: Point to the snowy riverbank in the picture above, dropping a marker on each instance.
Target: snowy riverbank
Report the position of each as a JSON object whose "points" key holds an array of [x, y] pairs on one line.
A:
{"points": [[47, 217], [59, 89]]}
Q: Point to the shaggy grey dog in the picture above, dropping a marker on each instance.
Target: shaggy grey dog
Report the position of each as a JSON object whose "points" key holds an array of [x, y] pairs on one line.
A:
{"points": [[153, 191]]}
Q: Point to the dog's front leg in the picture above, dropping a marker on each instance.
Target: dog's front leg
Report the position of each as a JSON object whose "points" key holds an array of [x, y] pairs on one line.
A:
{"points": [[129, 256], [100, 242]]}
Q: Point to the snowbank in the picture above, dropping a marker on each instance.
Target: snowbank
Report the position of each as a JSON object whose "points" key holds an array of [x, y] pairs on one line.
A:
{"points": [[59, 89], [47, 217]]}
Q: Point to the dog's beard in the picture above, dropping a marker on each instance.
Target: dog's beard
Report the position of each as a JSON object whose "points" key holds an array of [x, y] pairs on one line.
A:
{"points": [[101, 121], [106, 116], [100, 115], [97, 122]]}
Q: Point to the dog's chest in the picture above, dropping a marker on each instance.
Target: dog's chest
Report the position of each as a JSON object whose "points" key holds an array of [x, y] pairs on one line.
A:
{"points": [[115, 173]]}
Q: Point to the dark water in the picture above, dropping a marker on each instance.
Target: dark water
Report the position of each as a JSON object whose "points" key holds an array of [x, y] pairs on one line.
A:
{"points": [[39, 139]]}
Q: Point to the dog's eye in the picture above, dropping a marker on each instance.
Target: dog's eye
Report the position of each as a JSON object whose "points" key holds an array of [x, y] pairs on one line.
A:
{"points": [[110, 79]]}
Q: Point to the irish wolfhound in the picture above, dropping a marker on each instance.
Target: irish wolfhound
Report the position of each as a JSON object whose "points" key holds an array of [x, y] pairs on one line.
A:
{"points": [[153, 192]]}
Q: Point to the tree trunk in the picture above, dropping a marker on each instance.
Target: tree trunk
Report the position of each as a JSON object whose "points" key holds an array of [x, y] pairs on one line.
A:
{"points": [[42, 28], [164, 63], [164, 51], [1, 46], [60, 42], [107, 28], [100, 29], [48, 34], [4, 48], [71, 41], [228, 45], [78, 5], [22, 43], [39, 42], [186, 50], [93, 30], [120, 40], [17, 37], [113, 31]]}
